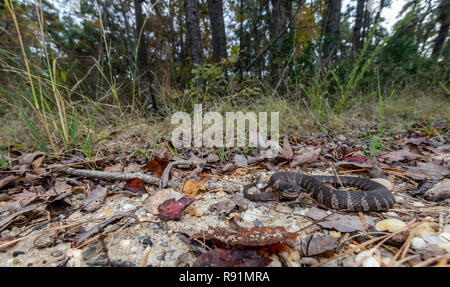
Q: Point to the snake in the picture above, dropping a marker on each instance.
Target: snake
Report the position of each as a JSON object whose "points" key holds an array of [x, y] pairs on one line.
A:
{"points": [[372, 195]]}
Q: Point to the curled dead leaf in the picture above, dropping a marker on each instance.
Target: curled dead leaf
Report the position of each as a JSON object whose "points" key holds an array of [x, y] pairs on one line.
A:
{"points": [[190, 188]]}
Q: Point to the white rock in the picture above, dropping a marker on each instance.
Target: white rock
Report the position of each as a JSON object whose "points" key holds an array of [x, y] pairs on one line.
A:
{"points": [[369, 261], [386, 260], [418, 204], [391, 213], [445, 236], [144, 196], [432, 239], [399, 199], [418, 243], [390, 225], [124, 243], [127, 206], [445, 246]]}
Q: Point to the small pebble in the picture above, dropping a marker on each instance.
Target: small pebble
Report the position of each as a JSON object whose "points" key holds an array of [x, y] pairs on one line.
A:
{"points": [[144, 196], [116, 240], [418, 204], [368, 262], [164, 244], [391, 213], [418, 243], [57, 253], [17, 253], [258, 223], [125, 243], [145, 240], [390, 225], [399, 199]]}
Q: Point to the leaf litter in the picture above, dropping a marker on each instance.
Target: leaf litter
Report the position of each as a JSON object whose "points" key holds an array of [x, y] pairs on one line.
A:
{"points": [[56, 209]]}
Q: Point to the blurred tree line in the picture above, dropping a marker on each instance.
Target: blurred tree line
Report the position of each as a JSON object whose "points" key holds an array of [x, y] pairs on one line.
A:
{"points": [[155, 48]]}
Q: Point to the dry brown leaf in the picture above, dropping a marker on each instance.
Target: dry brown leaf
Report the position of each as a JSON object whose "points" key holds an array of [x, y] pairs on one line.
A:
{"points": [[340, 222], [155, 200], [115, 168], [287, 152], [246, 237], [95, 199], [190, 188], [318, 245], [4, 181], [157, 165], [399, 155], [305, 157]]}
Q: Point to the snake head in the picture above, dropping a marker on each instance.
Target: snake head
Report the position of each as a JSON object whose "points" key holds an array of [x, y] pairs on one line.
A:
{"points": [[287, 189]]}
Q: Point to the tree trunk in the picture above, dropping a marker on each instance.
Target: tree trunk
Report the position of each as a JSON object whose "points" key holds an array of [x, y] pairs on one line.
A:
{"points": [[193, 26], [144, 77], [280, 19], [357, 28], [219, 41], [331, 28], [444, 20]]}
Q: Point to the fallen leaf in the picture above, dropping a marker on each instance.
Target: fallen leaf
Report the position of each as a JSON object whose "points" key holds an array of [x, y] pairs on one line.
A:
{"points": [[212, 157], [340, 222], [255, 236], [305, 157], [399, 155], [47, 182], [59, 205], [95, 199], [28, 158], [115, 168], [37, 162], [287, 152], [4, 181], [135, 185], [157, 165], [61, 186], [240, 160], [231, 258], [223, 208], [25, 197], [173, 209], [440, 191], [318, 245], [191, 188], [155, 200]]}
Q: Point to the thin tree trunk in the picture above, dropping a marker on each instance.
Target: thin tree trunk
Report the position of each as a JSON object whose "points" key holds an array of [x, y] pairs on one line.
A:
{"points": [[193, 26], [144, 77], [280, 18], [331, 28], [219, 41], [444, 20], [357, 28]]}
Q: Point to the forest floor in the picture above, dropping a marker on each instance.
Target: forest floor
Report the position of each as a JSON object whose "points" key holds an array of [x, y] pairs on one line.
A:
{"points": [[185, 207]]}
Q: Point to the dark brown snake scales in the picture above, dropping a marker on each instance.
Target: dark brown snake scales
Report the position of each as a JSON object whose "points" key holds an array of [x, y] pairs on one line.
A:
{"points": [[373, 196]]}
